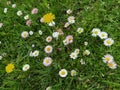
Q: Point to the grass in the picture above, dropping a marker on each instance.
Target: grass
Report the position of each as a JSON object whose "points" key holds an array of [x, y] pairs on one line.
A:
{"points": [[95, 75]]}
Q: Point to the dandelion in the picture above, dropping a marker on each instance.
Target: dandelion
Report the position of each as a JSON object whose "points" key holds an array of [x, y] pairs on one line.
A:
{"points": [[26, 67], [71, 19], [49, 39], [108, 42], [86, 52], [103, 35], [73, 73], [35, 53], [69, 39], [73, 55], [13, 5], [47, 18], [26, 17], [24, 34], [52, 23], [80, 30], [28, 22], [95, 32], [107, 58], [31, 32], [9, 68], [48, 49], [1, 24], [66, 24], [5, 10], [47, 61], [34, 11], [112, 65], [77, 51], [55, 35], [19, 13], [63, 73], [69, 11], [1, 57], [40, 32]]}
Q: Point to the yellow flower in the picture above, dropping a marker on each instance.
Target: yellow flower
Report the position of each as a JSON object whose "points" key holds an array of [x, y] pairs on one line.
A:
{"points": [[47, 18], [9, 68]]}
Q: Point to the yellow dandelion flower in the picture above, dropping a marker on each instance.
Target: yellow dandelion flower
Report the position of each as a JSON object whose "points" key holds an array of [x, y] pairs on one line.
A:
{"points": [[47, 18], [9, 68]]}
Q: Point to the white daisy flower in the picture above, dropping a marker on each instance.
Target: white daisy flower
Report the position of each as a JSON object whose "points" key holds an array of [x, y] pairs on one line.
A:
{"points": [[55, 35], [69, 39], [103, 35], [66, 24], [24, 34], [35, 53], [80, 30], [95, 32], [49, 88], [107, 58], [1, 24], [108, 42], [4, 54], [65, 42], [73, 73], [5, 10], [26, 67], [49, 39], [73, 55], [48, 49], [86, 52], [47, 61], [52, 23], [85, 43], [31, 54], [31, 32], [69, 11], [26, 17], [63, 73], [71, 19], [13, 5], [41, 20], [40, 32], [0, 42], [1, 57], [33, 45], [77, 51], [112, 65], [19, 13], [82, 61]]}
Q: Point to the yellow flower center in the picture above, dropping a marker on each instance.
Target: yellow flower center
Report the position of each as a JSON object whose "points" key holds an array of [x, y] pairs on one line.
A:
{"points": [[48, 49], [48, 17], [110, 64], [96, 32], [47, 61], [107, 59], [108, 42], [63, 73]]}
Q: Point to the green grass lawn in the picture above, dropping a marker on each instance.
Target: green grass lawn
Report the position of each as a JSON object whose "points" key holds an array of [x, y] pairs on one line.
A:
{"points": [[94, 74]]}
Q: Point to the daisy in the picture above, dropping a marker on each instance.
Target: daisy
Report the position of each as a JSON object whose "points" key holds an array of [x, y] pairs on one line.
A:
{"points": [[82, 61], [31, 32], [108, 42], [49, 88], [1, 57], [69, 39], [85, 43], [9, 68], [63, 73], [77, 51], [47, 61], [35, 53], [66, 24], [71, 19], [1, 24], [65, 42], [95, 32], [73, 55], [60, 31], [5, 10], [34, 11], [49, 39], [31, 54], [69, 11], [26, 67], [55, 35], [0, 42], [73, 73], [26, 17], [13, 5], [40, 32], [103, 35], [80, 30], [19, 13], [47, 18], [24, 34], [33, 45], [52, 23], [112, 65], [28, 22], [86, 52], [107, 58], [48, 49]]}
